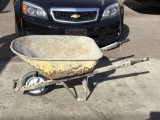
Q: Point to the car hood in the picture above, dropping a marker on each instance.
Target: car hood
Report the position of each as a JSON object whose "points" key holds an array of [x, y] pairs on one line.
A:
{"points": [[73, 3]]}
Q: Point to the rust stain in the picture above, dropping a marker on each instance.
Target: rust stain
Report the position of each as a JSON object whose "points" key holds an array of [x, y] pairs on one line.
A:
{"points": [[62, 69], [67, 73]]}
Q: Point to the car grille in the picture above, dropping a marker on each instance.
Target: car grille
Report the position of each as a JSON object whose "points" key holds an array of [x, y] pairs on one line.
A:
{"points": [[67, 16], [78, 15]]}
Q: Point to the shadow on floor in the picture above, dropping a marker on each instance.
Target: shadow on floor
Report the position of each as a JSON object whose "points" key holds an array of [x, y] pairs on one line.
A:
{"points": [[141, 8], [5, 53], [154, 116], [3, 4]]}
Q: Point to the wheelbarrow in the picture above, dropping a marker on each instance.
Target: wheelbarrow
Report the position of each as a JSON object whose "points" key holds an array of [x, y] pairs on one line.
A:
{"points": [[58, 59]]}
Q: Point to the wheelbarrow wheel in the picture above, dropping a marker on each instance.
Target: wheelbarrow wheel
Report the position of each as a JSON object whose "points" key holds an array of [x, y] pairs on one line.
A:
{"points": [[32, 78]]}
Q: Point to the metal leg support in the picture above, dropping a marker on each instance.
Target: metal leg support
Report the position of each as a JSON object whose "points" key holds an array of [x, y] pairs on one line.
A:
{"points": [[78, 99], [85, 86], [64, 84]]}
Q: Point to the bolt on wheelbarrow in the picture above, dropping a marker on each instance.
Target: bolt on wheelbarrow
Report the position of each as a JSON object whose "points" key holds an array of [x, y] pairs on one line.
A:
{"points": [[58, 59]]}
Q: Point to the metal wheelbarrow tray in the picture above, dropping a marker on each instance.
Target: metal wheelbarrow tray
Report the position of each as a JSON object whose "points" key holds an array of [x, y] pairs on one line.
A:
{"points": [[58, 56], [59, 59]]}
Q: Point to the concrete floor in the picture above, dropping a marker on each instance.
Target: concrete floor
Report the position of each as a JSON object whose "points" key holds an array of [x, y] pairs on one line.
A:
{"points": [[131, 93]]}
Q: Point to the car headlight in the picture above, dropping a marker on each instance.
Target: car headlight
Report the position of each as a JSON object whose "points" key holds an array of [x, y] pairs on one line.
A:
{"points": [[31, 9], [111, 11]]}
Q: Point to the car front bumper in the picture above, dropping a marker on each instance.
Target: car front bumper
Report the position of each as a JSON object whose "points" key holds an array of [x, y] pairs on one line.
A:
{"points": [[102, 31]]}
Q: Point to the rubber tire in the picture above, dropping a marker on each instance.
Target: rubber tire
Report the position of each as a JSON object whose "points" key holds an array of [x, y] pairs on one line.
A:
{"points": [[122, 20], [34, 74], [16, 30], [18, 33]]}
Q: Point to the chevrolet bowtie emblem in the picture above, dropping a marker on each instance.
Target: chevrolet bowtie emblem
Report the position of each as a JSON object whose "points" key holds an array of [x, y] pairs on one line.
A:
{"points": [[75, 16]]}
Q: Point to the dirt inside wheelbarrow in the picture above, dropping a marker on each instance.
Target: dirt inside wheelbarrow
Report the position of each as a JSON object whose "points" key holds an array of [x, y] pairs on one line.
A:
{"points": [[57, 48]]}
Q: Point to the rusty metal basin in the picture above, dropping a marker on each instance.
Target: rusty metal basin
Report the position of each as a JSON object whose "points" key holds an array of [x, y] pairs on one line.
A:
{"points": [[58, 56]]}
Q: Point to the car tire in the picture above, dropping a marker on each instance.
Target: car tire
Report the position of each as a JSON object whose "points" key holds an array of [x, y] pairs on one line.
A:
{"points": [[18, 33], [32, 78], [122, 20], [16, 30]]}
